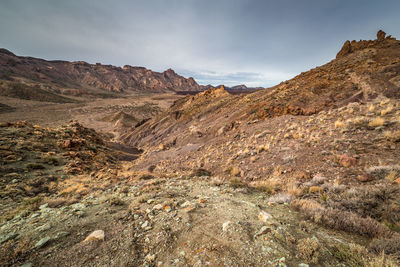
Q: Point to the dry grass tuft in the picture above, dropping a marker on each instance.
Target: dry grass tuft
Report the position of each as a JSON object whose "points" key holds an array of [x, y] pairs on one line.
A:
{"points": [[309, 250], [393, 137], [269, 186], [339, 124], [315, 189], [371, 108], [387, 110], [294, 190], [236, 182], [358, 122], [377, 122]]}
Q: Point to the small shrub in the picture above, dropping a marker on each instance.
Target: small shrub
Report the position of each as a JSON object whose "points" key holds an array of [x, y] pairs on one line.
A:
{"points": [[371, 108], [268, 186], [380, 172], [358, 122], [339, 124], [294, 190], [315, 189], [352, 255], [389, 246], [379, 201], [392, 176], [141, 199], [309, 249], [338, 219]]}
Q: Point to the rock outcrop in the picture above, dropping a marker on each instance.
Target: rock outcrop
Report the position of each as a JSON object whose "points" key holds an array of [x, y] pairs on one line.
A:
{"points": [[380, 36], [350, 47]]}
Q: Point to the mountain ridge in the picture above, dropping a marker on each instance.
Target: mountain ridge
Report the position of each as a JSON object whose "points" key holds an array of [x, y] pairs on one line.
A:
{"points": [[80, 75]]}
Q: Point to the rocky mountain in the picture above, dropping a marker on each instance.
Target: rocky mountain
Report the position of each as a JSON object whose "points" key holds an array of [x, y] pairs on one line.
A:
{"points": [[306, 173], [325, 141], [367, 70], [79, 78]]}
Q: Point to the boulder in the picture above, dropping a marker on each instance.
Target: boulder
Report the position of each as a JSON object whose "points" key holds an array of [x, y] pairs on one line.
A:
{"points": [[380, 36]]}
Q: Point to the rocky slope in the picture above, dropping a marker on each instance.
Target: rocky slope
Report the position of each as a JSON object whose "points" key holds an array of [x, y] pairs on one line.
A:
{"points": [[65, 211], [80, 78], [325, 141], [368, 70]]}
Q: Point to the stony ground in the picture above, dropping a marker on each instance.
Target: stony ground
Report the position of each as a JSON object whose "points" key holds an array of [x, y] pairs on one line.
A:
{"points": [[172, 221]]}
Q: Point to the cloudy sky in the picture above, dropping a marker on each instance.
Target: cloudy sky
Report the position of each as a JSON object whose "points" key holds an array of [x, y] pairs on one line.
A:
{"points": [[252, 42]]}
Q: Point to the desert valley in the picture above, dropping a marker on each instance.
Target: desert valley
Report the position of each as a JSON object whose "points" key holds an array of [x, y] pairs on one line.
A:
{"points": [[123, 166]]}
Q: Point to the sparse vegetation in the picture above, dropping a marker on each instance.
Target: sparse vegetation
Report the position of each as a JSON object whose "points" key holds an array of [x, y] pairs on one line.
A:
{"points": [[390, 246], [352, 255], [309, 249], [236, 182], [269, 186], [341, 220]]}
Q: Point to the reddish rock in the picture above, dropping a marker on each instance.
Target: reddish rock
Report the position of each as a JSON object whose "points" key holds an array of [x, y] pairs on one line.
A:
{"points": [[346, 49], [381, 35], [304, 175], [364, 177], [347, 161]]}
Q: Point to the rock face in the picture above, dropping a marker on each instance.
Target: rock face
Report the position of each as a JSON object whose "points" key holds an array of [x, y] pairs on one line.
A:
{"points": [[77, 77]]}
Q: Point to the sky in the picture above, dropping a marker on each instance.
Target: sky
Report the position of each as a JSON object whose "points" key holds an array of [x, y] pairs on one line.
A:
{"points": [[231, 42]]}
